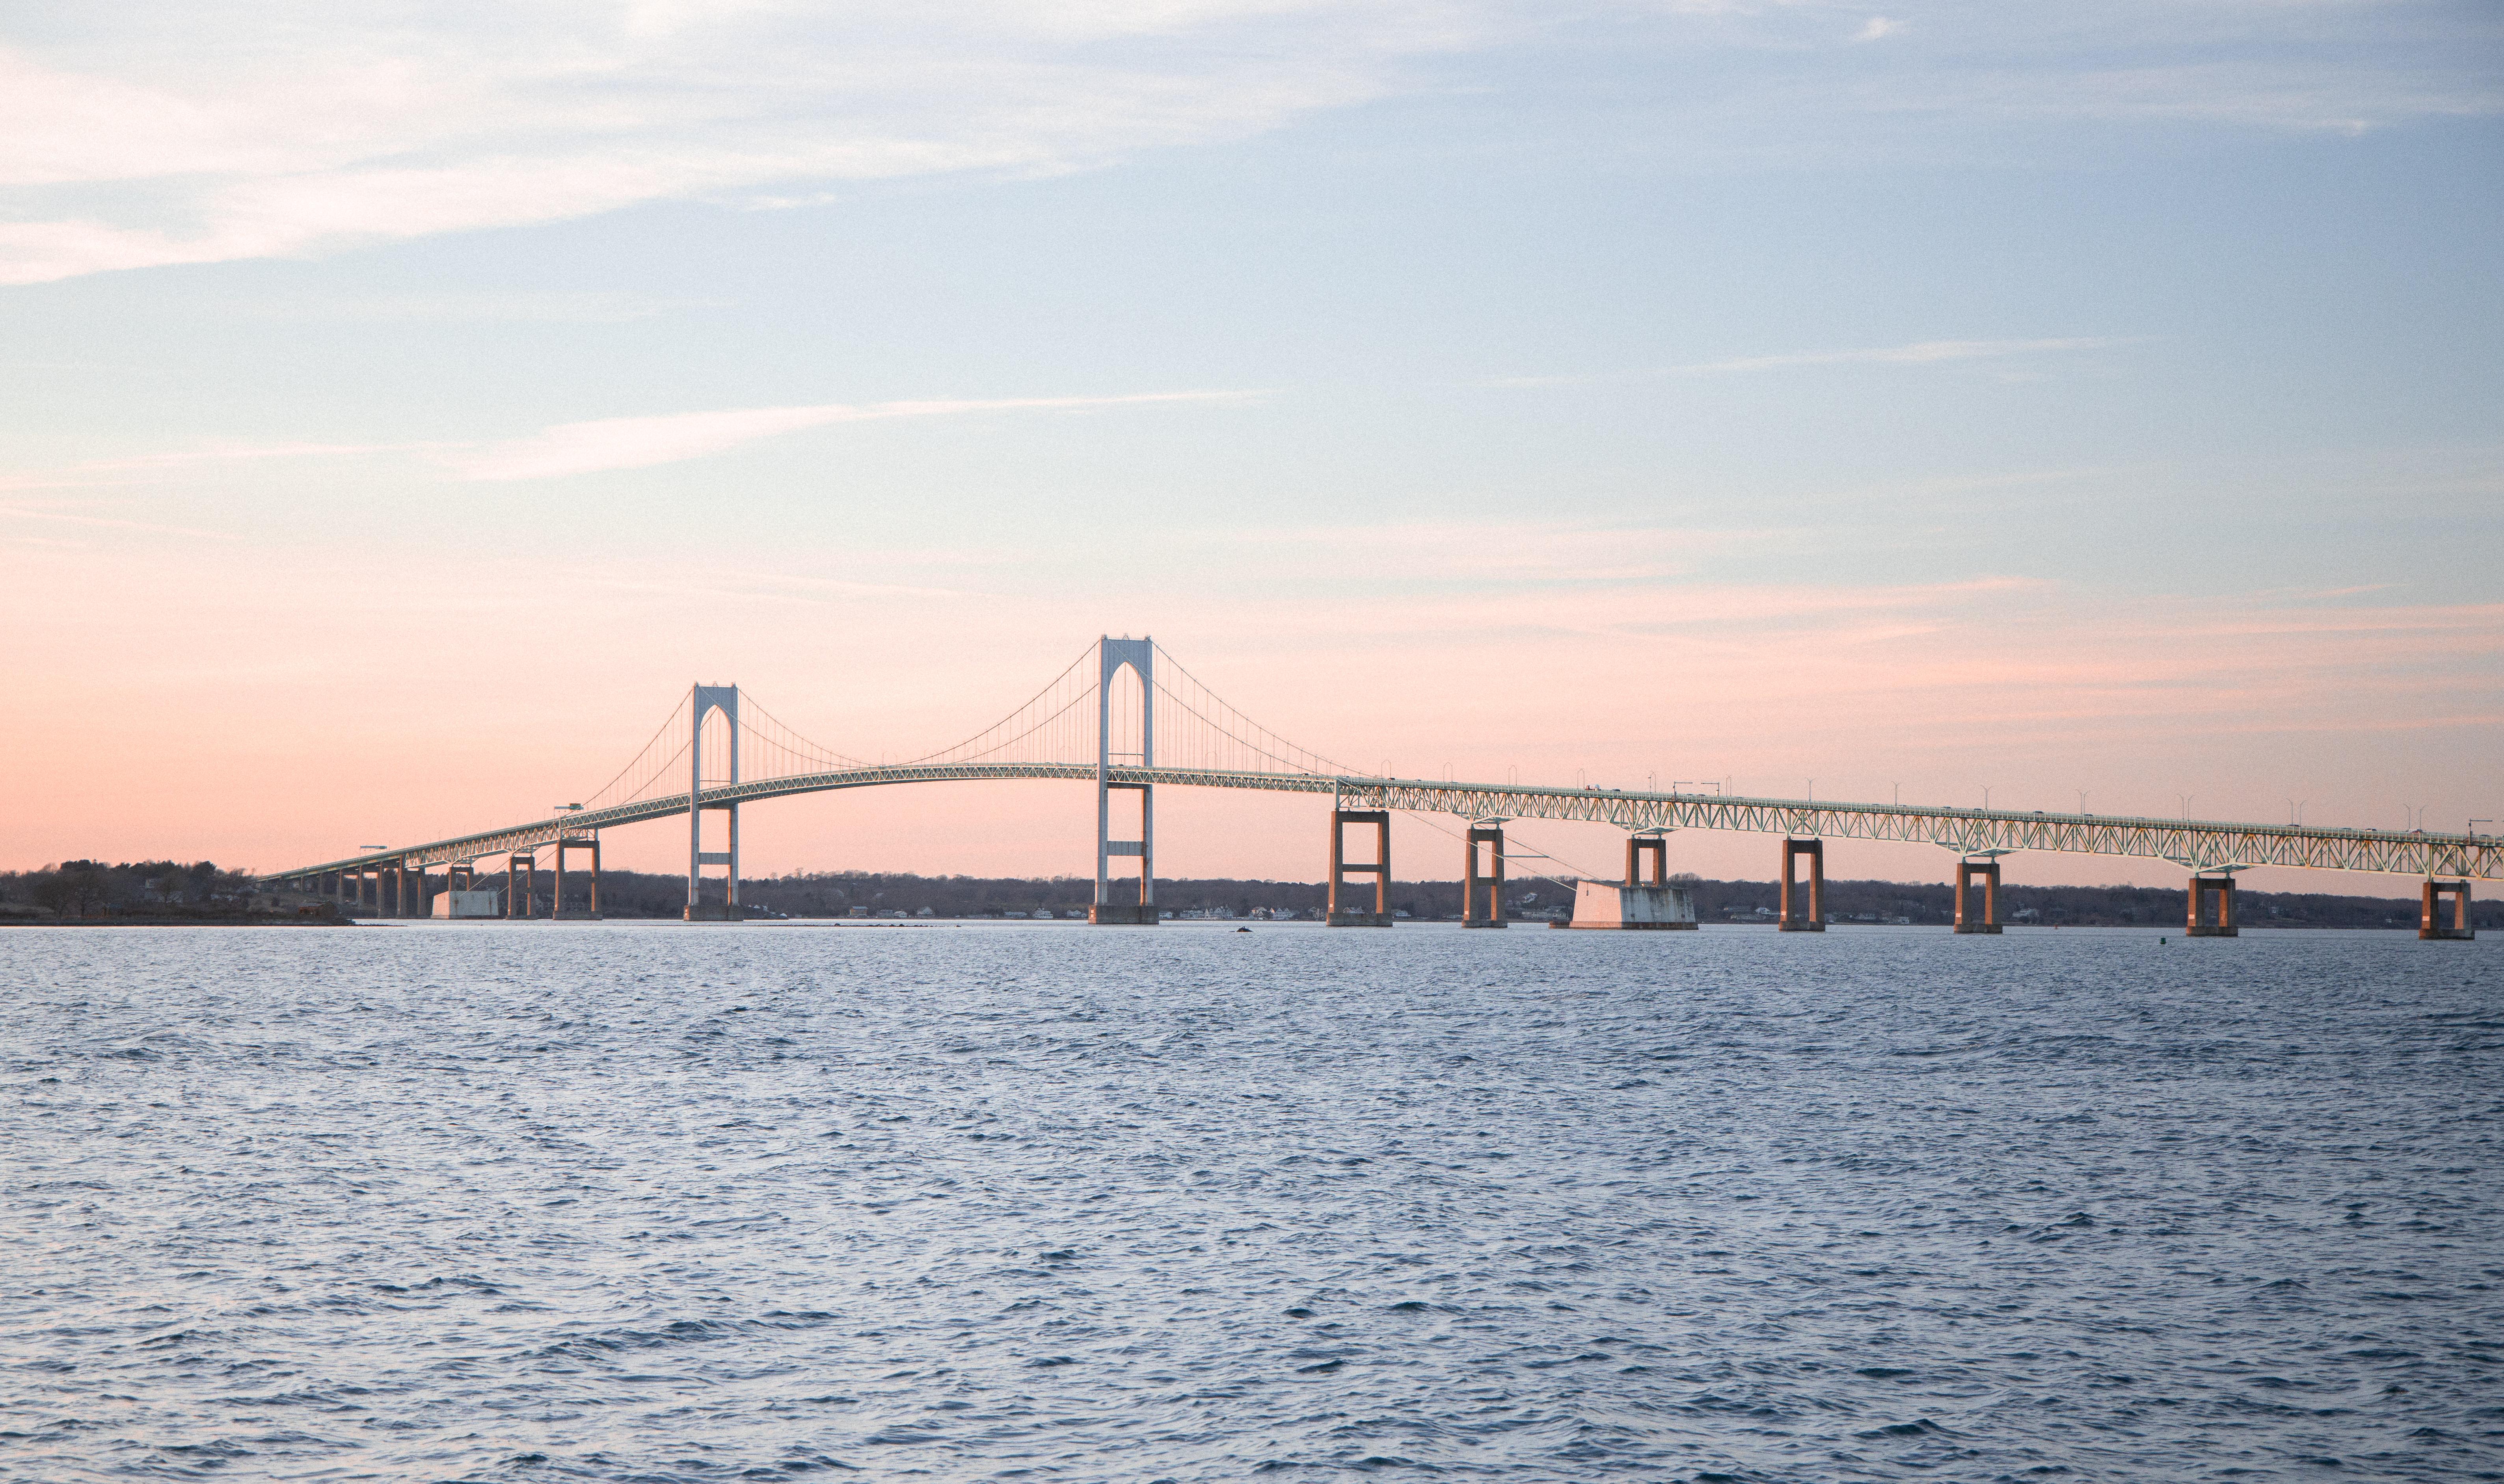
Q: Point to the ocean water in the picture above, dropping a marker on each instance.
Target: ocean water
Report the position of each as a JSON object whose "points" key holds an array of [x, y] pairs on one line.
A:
{"points": [[670, 1202]]}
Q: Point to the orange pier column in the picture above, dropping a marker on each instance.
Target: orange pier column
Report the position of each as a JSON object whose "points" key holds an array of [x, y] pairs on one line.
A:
{"points": [[1483, 896], [2205, 890], [521, 883], [1639, 845], [2430, 923], [1342, 911], [1987, 871], [1813, 919], [564, 845]]}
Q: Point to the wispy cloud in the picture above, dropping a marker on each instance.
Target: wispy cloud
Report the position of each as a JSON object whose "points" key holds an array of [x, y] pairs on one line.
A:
{"points": [[65, 517], [155, 133], [779, 588], [96, 473], [211, 130], [565, 448], [489, 308], [640, 442], [248, 452], [1919, 353]]}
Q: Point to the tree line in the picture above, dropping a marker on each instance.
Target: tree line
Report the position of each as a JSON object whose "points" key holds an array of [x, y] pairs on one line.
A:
{"points": [[90, 890]]}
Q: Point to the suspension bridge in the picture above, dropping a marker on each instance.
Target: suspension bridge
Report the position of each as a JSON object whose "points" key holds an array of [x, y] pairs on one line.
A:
{"points": [[1128, 718]]}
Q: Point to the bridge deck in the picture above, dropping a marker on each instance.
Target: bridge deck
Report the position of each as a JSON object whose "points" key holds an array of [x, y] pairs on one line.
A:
{"points": [[2199, 844]]}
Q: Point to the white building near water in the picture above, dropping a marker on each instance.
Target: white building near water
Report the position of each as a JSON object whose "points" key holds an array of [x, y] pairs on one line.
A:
{"points": [[468, 904]]}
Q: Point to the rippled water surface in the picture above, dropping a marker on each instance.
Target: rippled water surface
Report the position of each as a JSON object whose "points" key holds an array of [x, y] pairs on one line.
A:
{"points": [[664, 1202]]}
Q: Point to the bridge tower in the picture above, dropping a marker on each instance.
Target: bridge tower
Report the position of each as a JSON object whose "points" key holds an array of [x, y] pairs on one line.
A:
{"points": [[1141, 655], [709, 699]]}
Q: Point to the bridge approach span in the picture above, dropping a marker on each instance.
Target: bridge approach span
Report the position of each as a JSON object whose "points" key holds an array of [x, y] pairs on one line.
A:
{"points": [[2199, 844]]}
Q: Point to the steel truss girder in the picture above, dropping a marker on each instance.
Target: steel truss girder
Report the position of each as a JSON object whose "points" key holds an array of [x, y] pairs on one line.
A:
{"points": [[2202, 844]]}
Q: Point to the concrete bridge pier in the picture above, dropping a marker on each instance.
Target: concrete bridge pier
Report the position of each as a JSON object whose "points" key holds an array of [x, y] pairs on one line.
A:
{"points": [[1803, 912], [2213, 907], [2430, 923], [1638, 904], [1483, 896], [521, 883], [1648, 849], [1344, 912], [557, 908], [1968, 873]]}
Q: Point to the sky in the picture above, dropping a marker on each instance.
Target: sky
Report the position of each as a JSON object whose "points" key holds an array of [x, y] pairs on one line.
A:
{"points": [[2093, 404]]}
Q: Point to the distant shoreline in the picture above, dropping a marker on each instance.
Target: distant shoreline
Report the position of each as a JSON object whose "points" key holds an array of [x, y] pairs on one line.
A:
{"points": [[271, 920], [167, 894]]}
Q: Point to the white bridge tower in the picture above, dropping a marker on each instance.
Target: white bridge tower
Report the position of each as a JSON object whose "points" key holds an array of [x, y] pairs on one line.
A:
{"points": [[1140, 656], [708, 700]]}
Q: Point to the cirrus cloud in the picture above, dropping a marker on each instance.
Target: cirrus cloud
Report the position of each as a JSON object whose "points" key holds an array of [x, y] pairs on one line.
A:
{"points": [[640, 442], [1919, 353], [209, 132], [154, 133]]}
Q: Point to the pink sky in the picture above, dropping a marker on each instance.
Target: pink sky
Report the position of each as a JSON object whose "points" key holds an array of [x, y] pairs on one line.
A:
{"points": [[260, 706]]}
